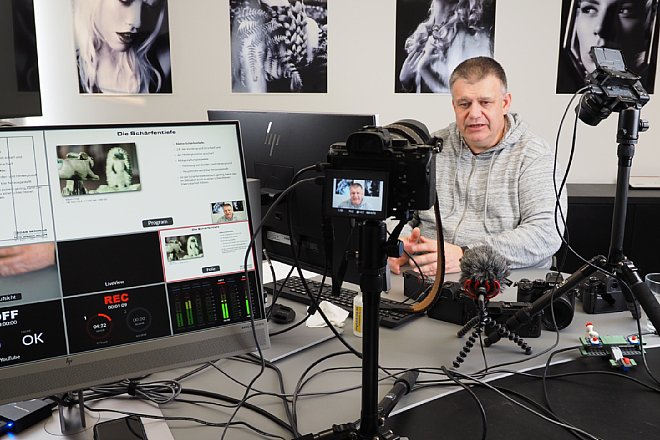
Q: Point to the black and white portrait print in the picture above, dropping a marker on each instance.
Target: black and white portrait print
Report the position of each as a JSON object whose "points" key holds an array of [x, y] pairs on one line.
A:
{"points": [[434, 36], [628, 25], [279, 46]]}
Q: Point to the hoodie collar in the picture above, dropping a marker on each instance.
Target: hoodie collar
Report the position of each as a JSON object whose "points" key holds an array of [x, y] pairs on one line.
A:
{"points": [[511, 136]]}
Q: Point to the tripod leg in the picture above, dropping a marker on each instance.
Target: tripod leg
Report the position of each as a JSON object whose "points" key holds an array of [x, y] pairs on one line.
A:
{"points": [[502, 331], [468, 326], [478, 328]]}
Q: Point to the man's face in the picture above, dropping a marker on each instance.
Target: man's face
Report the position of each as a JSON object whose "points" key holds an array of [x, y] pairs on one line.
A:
{"points": [[356, 195], [228, 211], [480, 108]]}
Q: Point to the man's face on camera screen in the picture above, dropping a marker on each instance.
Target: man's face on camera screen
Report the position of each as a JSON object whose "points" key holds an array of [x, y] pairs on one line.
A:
{"points": [[356, 195]]}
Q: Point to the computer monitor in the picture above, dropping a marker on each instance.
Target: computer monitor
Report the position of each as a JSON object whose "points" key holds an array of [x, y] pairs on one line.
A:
{"points": [[143, 268], [20, 90], [279, 144]]}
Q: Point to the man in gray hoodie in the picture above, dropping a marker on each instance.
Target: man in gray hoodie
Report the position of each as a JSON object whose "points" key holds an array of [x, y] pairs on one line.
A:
{"points": [[494, 180]]}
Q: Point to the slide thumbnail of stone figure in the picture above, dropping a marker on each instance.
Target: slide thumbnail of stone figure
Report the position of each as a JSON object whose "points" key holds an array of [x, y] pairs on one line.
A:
{"points": [[434, 36], [628, 25], [279, 46], [122, 46]]}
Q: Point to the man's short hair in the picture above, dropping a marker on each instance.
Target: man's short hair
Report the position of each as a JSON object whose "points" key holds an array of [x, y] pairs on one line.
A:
{"points": [[228, 204], [356, 184], [476, 69]]}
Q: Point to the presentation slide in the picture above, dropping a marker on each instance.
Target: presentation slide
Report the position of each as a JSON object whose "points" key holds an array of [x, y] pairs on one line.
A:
{"points": [[24, 193], [118, 181]]}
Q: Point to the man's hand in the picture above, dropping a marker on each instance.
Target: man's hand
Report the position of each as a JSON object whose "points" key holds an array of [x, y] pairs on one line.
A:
{"points": [[424, 251], [15, 260], [453, 255], [395, 264]]}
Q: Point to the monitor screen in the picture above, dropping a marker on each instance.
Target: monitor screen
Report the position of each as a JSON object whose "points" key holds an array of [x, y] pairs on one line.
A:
{"points": [[19, 67], [279, 144], [137, 236]]}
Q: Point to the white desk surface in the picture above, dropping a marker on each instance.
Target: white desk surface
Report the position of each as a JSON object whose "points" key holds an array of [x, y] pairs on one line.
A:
{"points": [[423, 343]]}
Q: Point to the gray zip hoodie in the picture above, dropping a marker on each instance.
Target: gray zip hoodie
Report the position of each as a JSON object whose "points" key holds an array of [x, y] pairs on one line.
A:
{"points": [[503, 197]]}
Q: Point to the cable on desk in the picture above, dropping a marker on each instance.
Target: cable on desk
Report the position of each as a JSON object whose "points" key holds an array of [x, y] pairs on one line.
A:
{"points": [[224, 425], [298, 387], [115, 392], [484, 422], [545, 376], [544, 379], [160, 392], [234, 401], [580, 373], [280, 380], [554, 422], [248, 289]]}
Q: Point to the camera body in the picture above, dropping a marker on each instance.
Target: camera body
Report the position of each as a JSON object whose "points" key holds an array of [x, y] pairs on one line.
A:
{"points": [[394, 160], [454, 306], [564, 307], [601, 293], [612, 87]]}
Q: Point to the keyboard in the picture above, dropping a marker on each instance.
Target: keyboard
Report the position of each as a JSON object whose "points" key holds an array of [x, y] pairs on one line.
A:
{"points": [[295, 291]]}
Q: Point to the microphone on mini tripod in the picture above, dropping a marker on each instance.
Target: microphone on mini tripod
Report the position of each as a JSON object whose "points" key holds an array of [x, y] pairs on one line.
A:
{"points": [[483, 270]]}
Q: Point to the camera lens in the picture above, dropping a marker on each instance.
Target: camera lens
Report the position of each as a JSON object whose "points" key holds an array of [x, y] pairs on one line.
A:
{"points": [[591, 110], [564, 309]]}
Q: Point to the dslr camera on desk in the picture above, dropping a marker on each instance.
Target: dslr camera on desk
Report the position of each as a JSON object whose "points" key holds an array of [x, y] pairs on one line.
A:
{"points": [[601, 293], [454, 306], [560, 313]]}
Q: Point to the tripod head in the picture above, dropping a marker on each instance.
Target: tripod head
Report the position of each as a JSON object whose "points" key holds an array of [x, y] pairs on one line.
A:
{"points": [[611, 88]]}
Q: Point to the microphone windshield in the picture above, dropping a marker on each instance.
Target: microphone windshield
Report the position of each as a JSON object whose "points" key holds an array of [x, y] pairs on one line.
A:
{"points": [[483, 267]]}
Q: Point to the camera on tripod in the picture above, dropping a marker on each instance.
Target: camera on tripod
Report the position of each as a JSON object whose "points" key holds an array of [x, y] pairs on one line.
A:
{"points": [[456, 307], [380, 172], [563, 307], [612, 87]]}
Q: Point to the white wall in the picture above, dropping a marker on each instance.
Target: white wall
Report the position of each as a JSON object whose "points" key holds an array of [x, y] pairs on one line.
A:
{"points": [[361, 77]]}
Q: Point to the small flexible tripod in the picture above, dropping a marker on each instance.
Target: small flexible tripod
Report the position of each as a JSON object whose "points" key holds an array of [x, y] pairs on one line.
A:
{"points": [[481, 293]]}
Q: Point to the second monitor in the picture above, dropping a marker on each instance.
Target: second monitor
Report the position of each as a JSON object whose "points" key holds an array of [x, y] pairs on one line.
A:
{"points": [[276, 146]]}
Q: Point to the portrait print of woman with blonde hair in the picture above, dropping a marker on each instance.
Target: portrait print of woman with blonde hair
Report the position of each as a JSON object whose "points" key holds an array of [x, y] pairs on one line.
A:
{"points": [[450, 32], [122, 46]]}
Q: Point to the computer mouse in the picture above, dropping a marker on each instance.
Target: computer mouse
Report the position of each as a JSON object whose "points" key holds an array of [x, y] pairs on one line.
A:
{"points": [[282, 314]]}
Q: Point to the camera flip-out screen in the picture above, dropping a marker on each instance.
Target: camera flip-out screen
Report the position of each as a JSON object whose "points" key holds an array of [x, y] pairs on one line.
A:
{"points": [[359, 194]]}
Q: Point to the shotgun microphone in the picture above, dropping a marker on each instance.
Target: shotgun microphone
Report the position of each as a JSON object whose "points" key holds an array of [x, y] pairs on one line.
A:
{"points": [[402, 386]]}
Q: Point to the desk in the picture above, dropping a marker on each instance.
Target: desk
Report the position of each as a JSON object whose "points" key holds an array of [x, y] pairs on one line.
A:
{"points": [[423, 343]]}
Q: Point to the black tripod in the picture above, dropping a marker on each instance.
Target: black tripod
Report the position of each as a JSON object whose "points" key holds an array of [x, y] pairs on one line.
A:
{"points": [[372, 264], [481, 323], [634, 288]]}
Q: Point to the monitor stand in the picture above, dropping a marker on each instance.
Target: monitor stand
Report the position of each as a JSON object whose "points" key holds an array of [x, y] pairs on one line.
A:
{"points": [[51, 429]]}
